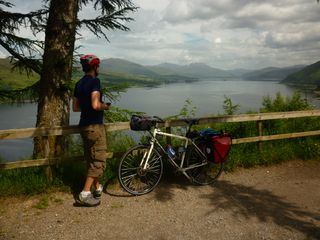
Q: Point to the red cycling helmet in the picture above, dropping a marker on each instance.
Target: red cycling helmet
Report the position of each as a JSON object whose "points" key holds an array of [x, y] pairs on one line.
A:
{"points": [[89, 59]]}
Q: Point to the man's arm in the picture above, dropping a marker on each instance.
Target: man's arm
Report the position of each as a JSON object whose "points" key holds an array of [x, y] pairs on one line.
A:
{"points": [[76, 105], [95, 102]]}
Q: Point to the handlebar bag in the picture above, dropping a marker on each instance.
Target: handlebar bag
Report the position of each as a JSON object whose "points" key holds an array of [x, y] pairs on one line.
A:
{"points": [[141, 123]]}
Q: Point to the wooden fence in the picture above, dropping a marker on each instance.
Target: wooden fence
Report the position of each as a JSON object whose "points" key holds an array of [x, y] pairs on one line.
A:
{"points": [[259, 118]]}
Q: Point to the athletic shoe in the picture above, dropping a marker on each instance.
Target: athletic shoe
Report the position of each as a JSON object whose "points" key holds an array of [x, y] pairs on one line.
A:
{"points": [[98, 192], [88, 201]]}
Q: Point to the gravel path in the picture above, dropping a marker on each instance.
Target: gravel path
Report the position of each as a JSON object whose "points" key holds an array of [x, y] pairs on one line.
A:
{"points": [[276, 202]]}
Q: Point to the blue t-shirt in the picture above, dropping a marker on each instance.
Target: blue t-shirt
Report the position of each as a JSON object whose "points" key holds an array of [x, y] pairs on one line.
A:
{"points": [[83, 89]]}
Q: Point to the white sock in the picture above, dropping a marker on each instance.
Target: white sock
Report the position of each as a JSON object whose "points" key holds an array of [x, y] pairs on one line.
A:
{"points": [[85, 194], [100, 188]]}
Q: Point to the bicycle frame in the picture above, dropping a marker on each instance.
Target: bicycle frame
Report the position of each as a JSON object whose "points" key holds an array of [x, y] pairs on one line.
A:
{"points": [[187, 142]]}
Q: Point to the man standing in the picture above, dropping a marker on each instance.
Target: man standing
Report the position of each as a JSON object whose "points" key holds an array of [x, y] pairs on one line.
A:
{"points": [[88, 100]]}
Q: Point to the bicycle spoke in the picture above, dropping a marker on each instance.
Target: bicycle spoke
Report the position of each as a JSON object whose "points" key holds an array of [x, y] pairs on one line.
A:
{"points": [[152, 179], [202, 170], [132, 177], [128, 180], [130, 169]]}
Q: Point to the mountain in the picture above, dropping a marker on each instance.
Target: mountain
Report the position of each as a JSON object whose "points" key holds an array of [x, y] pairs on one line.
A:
{"points": [[310, 75], [166, 72], [125, 71], [165, 68], [239, 72], [271, 73], [195, 70], [115, 71], [115, 65]]}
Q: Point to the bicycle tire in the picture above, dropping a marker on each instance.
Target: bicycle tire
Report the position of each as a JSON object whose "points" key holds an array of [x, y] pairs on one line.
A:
{"points": [[130, 174], [208, 172]]}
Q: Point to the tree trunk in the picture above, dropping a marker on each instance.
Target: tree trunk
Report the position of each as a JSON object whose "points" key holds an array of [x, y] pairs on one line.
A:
{"points": [[54, 97]]}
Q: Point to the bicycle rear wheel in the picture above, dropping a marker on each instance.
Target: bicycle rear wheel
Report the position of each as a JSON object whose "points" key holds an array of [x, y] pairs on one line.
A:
{"points": [[132, 177], [207, 172]]}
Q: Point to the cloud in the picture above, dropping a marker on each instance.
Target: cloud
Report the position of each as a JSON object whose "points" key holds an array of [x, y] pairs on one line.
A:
{"points": [[225, 34]]}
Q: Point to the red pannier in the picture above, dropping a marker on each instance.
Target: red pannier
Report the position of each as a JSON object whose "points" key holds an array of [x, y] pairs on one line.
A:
{"points": [[221, 145]]}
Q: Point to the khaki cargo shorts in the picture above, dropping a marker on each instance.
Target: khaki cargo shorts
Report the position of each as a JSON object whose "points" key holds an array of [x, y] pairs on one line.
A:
{"points": [[95, 147]]}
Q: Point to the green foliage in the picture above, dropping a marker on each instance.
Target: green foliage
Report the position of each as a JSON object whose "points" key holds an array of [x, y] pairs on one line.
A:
{"points": [[27, 181], [117, 114], [248, 155], [119, 141], [229, 107], [187, 110], [281, 104]]}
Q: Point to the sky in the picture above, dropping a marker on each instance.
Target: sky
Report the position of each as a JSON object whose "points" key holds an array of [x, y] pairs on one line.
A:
{"points": [[225, 34]]}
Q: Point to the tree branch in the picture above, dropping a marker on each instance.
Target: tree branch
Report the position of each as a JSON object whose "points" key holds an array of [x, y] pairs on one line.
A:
{"points": [[35, 68], [111, 21]]}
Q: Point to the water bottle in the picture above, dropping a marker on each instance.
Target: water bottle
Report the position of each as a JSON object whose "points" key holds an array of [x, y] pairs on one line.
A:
{"points": [[181, 149], [170, 151]]}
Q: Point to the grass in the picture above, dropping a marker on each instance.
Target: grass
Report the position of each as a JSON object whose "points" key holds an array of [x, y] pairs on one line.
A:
{"points": [[43, 203]]}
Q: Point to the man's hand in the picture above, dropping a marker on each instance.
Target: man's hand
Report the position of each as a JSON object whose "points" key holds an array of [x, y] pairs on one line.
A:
{"points": [[96, 104]]}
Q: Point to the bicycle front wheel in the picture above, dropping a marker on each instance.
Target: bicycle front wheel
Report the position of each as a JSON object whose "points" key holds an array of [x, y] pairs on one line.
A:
{"points": [[132, 177], [202, 171]]}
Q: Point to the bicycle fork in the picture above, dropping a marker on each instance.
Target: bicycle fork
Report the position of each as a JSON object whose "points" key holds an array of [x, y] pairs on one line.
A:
{"points": [[146, 157]]}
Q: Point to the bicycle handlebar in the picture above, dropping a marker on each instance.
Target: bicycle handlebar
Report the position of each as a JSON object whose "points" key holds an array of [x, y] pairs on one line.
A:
{"points": [[192, 121], [158, 119]]}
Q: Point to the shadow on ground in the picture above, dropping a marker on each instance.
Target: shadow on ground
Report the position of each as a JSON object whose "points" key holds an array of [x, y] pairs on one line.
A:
{"points": [[248, 202], [263, 204]]}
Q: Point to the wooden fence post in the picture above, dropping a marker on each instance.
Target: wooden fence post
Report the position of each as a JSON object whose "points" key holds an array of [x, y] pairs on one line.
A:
{"points": [[260, 130], [48, 169], [168, 139]]}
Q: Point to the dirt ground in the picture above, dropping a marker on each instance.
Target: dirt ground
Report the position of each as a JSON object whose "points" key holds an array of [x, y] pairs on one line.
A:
{"points": [[276, 202]]}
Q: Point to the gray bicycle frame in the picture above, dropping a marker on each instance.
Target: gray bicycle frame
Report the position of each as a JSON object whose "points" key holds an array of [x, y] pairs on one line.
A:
{"points": [[180, 168]]}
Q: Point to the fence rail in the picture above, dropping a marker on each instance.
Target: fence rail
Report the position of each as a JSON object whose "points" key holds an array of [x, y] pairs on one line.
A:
{"points": [[259, 117]]}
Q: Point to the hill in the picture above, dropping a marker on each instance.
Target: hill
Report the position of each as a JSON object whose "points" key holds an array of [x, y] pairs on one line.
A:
{"points": [[239, 72], [195, 70], [164, 71], [310, 75], [115, 65], [14, 79], [271, 73], [120, 70]]}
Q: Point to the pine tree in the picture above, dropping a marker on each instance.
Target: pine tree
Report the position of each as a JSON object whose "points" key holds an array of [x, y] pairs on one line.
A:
{"points": [[59, 20]]}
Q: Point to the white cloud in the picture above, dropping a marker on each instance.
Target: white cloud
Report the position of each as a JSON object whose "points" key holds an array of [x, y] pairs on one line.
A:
{"points": [[218, 40], [222, 33]]}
